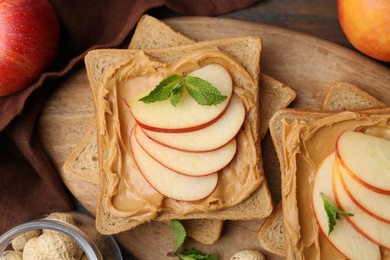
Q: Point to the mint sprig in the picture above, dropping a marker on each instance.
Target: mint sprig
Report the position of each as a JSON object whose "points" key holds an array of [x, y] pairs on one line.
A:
{"points": [[332, 212], [203, 91], [179, 234], [173, 86], [193, 254], [163, 90]]}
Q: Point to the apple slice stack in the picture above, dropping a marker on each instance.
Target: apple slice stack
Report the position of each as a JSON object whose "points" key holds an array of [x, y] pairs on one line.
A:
{"points": [[179, 150], [357, 178]]}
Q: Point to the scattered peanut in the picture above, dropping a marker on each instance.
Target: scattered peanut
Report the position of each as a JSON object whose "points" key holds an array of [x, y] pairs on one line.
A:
{"points": [[84, 257], [19, 242], [52, 246], [248, 255], [61, 216], [11, 255]]}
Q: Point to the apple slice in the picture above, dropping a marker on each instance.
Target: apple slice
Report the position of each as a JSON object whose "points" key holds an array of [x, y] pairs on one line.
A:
{"points": [[208, 138], [170, 183], [344, 237], [370, 227], [364, 197], [367, 158], [187, 163], [188, 115]]}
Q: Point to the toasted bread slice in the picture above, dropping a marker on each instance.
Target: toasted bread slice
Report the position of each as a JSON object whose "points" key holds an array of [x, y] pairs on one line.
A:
{"points": [[340, 96], [152, 33], [82, 164], [345, 96], [247, 51], [271, 234], [275, 96]]}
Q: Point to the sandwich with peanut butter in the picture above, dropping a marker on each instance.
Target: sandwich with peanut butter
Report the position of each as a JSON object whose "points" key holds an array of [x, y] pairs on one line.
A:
{"points": [[335, 186], [178, 133], [340, 96]]}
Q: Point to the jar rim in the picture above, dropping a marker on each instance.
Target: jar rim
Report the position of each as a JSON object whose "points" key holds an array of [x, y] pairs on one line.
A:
{"points": [[78, 235]]}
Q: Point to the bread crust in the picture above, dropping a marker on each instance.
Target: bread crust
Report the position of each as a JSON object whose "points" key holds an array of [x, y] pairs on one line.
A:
{"points": [[270, 234], [345, 96]]}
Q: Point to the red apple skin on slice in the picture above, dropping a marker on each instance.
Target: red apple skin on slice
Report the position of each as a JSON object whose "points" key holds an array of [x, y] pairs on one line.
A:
{"points": [[168, 182], [188, 115], [373, 203], [187, 163], [367, 158], [209, 138], [375, 230], [344, 237]]}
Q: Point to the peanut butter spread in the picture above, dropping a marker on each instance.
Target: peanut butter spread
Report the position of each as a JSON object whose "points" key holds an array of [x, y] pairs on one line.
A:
{"points": [[128, 193], [306, 145]]}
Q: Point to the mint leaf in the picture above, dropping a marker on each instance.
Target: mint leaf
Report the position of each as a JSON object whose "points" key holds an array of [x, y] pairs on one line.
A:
{"points": [[203, 91], [171, 88], [332, 212], [163, 90], [179, 233], [176, 94], [193, 254]]}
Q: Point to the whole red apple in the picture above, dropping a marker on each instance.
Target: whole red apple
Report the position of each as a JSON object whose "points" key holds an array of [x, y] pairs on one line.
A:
{"points": [[29, 37], [366, 23]]}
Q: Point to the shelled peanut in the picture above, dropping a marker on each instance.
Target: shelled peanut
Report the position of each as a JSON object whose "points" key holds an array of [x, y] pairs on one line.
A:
{"points": [[248, 255]]}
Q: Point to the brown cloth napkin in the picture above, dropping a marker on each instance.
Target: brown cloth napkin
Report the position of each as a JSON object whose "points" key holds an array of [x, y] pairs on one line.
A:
{"points": [[29, 184]]}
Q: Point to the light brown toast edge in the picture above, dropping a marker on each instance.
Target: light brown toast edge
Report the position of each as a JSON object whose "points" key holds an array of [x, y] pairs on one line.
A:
{"points": [[261, 201], [152, 33], [268, 234], [345, 96]]}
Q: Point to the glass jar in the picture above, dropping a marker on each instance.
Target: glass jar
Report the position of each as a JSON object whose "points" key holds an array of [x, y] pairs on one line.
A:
{"points": [[94, 245]]}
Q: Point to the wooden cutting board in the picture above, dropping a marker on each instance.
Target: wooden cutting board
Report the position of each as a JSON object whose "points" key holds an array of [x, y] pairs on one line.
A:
{"points": [[307, 64]]}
